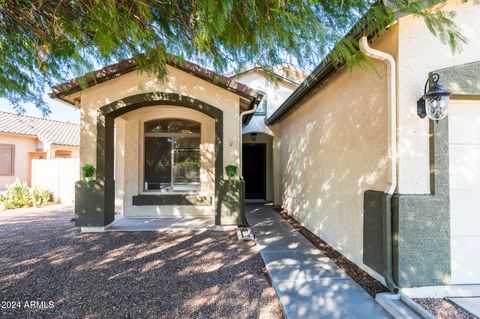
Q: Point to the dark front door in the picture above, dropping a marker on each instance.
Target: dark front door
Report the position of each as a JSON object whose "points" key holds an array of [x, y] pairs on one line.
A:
{"points": [[254, 170]]}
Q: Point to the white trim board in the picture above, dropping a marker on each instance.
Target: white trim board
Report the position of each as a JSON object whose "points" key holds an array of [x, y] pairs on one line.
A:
{"points": [[442, 291]]}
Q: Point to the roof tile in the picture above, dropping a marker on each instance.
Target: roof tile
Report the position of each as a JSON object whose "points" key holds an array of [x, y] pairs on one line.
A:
{"points": [[49, 131]]}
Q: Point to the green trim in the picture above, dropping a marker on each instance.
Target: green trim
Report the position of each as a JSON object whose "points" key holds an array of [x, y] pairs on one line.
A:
{"points": [[109, 112], [171, 199], [90, 204], [231, 203], [374, 208], [462, 80], [105, 150], [421, 224]]}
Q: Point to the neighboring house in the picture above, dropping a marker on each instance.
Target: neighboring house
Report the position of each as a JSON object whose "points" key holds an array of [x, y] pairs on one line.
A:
{"points": [[24, 138], [339, 144]]}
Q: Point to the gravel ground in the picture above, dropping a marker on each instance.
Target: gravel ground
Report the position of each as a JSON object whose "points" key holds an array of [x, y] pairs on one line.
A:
{"points": [[169, 274], [367, 282], [444, 309]]}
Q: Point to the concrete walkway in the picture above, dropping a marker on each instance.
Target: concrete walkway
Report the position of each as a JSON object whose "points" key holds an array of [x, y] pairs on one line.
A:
{"points": [[307, 282]]}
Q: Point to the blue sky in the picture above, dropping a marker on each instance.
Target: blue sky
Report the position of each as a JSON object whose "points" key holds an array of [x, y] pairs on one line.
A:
{"points": [[60, 111]]}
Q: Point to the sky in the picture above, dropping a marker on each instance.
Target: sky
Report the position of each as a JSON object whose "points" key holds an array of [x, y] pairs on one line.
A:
{"points": [[60, 111], [64, 112]]}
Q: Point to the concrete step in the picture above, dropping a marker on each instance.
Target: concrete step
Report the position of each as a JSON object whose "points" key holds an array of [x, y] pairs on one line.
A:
{"points": [[401, 306]]}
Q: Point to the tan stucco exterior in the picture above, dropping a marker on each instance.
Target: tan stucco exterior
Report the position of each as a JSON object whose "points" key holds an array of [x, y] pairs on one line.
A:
{"points": [[176, 81], [129, 133], [26, 149], [54, 151], [276, 92], [419, 53], [23, 146], [332, 149]]}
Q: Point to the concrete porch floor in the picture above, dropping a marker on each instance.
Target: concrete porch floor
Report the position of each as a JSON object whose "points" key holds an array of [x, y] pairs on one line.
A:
{"points": [[164, 223]]}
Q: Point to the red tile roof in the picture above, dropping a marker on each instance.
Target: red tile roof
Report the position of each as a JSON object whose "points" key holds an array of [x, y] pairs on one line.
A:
{"points": [[48, 131]]}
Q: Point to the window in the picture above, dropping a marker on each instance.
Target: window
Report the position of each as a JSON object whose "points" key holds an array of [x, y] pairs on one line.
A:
{"points": [[63, 154], [172, 155], [7, 157], [262, 107]]}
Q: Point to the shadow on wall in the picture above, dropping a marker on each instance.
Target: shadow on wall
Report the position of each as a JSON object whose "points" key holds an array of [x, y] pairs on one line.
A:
{"points": [[333, 149]]}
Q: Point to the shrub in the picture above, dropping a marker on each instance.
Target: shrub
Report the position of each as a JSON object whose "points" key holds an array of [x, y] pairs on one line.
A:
{"points": [[40, 196], [232, 171], [88, 170], [21, 195]]}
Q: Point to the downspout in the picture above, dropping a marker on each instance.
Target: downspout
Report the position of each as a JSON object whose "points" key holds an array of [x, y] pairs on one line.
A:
{"points": [[240, 154], [392, 155]]}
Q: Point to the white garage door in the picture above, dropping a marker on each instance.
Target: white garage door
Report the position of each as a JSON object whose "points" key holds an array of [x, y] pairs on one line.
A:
{"points": [[464, 136]]}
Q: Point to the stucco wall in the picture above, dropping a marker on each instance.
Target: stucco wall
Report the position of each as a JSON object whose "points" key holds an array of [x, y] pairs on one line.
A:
{"points": [[51, 149], [420, 52], [276, 91], [332, 149], [130, 161], [119, 172], [23, 145], [176, 81]]}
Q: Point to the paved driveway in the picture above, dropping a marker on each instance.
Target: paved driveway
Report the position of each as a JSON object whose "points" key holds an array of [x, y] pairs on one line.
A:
{"points": [[169, 274]]}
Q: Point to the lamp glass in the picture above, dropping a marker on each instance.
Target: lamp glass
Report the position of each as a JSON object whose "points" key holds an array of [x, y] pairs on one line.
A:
{"points": [[436, 106]]}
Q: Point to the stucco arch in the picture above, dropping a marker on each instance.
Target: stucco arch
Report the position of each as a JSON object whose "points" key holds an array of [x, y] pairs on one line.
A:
{"points": [[106, 115], [257, 125]]}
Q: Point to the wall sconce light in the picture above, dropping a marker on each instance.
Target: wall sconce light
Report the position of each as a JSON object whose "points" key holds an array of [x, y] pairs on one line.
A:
{"points": [[434, 103], [253, 136]]}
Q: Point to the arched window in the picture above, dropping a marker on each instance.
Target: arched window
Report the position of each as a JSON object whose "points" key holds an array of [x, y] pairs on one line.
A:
{"points": [[172, 155]]}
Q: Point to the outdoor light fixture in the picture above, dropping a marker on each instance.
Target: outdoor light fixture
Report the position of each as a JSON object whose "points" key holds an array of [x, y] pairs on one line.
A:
{"points": [[434, 103], [253, 136]]}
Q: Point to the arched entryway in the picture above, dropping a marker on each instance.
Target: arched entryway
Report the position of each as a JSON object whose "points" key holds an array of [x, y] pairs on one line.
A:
{"points": [[95, 203]]}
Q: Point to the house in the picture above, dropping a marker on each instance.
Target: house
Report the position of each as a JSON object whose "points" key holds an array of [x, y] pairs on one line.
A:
{"points": [[24, 138], [395, 193], [344, 152]]}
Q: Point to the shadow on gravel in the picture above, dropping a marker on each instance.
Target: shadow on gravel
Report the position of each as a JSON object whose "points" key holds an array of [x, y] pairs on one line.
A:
{"points": [[191, 274]]}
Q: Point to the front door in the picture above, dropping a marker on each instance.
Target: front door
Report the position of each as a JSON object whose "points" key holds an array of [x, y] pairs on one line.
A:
{"points": [[254, 170]]}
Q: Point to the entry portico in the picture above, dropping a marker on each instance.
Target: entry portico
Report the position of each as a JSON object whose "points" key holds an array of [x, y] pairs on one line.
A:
{"points": [[159, 145]]}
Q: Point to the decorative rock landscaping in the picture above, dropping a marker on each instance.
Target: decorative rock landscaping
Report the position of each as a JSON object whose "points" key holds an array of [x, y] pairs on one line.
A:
{"points": [[167, 274]]}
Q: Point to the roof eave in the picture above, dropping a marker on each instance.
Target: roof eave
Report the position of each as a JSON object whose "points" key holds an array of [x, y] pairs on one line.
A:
{"points": [[61, 91], [318, 76], [254, 104], [325, 69]]}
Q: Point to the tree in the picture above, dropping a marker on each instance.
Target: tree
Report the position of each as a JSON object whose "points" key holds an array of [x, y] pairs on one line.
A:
{"points": [[46, 41]]}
